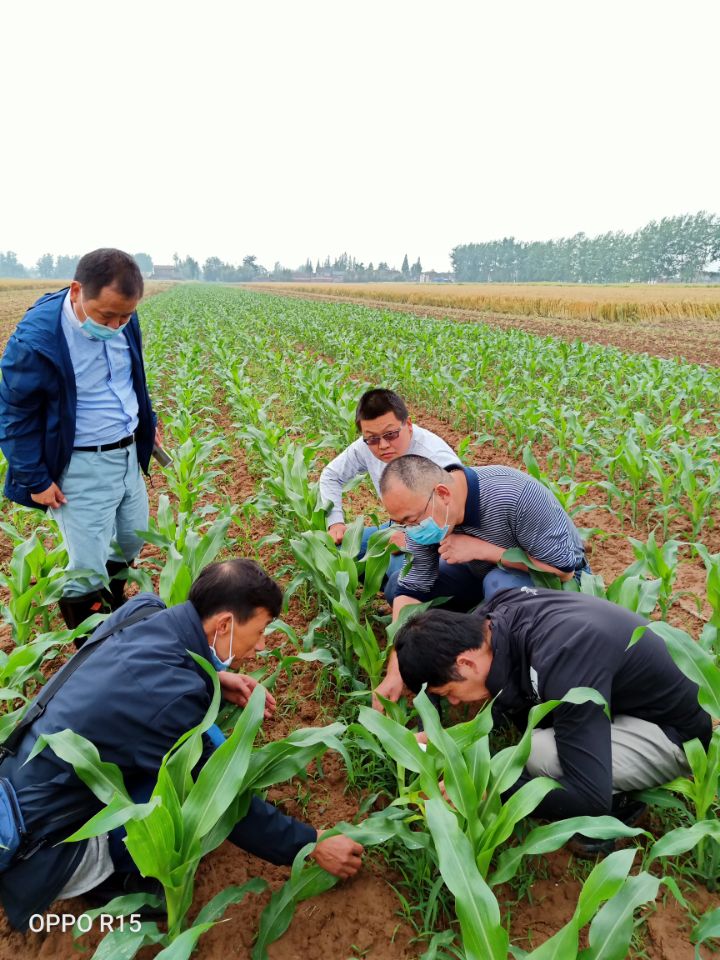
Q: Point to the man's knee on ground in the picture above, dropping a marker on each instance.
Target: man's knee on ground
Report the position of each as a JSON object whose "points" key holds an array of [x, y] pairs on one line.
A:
{"points": [[498, 580]]}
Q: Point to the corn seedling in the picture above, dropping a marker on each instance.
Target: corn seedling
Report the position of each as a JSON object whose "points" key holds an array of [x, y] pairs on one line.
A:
{"points": [[185, 818]]}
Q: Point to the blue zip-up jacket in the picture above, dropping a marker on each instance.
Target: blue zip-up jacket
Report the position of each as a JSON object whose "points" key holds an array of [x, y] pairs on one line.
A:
{"points": [[133, 697], [38, 400]]}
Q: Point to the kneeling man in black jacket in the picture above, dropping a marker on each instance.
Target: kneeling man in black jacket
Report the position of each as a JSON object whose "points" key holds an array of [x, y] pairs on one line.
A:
{"points": [[528, 646], [133, 694]]}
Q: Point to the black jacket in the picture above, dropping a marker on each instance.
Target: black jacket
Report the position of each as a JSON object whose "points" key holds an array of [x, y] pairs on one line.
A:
{"points": [[545, 642], [133, 698]]}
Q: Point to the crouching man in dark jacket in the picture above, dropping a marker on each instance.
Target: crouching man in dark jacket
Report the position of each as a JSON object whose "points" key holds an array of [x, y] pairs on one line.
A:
{"points": [[133, 695], [528, 646]]}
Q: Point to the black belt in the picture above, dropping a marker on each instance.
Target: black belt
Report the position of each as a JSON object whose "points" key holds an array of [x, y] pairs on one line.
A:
{"points": [[118, 445]]}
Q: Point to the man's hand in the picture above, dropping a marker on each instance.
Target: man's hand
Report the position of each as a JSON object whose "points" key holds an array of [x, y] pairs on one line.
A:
{"points": [[158, 435], [339, 855], [391, 688], [238, 687], [52, 497], [337, 532], [398, 538], [461, 548]]}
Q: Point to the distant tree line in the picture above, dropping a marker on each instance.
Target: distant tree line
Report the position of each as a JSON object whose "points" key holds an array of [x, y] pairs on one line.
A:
{"points": [[344, 268], [49, 267], [673, 249]]}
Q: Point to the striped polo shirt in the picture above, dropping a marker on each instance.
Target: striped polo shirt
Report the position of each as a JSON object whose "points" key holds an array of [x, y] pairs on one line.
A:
{"points": [[509, 509]]}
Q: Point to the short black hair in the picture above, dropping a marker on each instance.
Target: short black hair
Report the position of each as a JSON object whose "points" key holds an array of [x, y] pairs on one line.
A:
{"points": [[428, 645], [240, 586], [376, 403], [108, 267], [417, 473]]}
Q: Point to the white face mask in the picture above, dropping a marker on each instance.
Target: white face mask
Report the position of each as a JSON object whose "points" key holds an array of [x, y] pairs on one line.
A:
{"points": [[217, 662]]}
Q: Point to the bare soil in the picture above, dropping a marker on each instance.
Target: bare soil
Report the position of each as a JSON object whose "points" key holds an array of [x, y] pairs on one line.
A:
{"points": [[360, 918]]}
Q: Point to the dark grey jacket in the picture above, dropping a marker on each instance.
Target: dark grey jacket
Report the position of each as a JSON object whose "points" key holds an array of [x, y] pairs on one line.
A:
{"points": [[545, 642]]}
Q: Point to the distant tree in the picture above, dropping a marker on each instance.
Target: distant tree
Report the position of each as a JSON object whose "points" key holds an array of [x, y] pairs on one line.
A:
{"points": [[212, 269], [405, 268], [189, 268], [144, 261], [46, 266], [317, 268], [416, 269], [250, 263], [675, 249], [65, 266], [10, 266]]}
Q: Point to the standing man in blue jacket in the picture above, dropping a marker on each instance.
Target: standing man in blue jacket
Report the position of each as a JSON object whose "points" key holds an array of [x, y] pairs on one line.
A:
{"points": [[77, 426]]}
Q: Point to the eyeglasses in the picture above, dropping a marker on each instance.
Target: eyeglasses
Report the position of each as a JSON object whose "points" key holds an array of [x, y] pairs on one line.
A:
{"points": [[387, 437], [420, 515]]}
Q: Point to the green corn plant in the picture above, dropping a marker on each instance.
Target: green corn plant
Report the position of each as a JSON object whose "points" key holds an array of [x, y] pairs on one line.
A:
{"points": [[35, 581], [288, 483], [659, 562], [309, 880], [665, 482], [710, 636], [609, 897], [631, 461], [700, 791], [708, 927], [468, 828], [269, 675], [20, 675], [186, 818], [700, 492], [566, 490], [627, 590], [336, 574], [187, 551], [193, 470]]}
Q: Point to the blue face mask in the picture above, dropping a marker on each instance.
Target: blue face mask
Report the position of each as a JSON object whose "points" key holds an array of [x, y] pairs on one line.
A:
{"points": [[97, 331], [428, 532], [214, 658]]}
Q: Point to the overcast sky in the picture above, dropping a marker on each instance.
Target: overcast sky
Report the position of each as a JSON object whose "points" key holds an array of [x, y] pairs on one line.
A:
{"points": [[289, 129]]}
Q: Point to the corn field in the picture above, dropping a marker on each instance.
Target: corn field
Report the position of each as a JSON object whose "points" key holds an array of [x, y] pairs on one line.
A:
{"points": [[636, 303], [255, 395]]}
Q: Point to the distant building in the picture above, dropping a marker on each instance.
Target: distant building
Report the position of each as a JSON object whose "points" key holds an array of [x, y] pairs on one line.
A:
{"points": [[432, 276], [165, 272]]}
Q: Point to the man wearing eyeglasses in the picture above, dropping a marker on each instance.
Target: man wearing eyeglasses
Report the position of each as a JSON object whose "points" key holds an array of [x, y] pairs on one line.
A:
{"points": [[458, 523], [386, 433]]}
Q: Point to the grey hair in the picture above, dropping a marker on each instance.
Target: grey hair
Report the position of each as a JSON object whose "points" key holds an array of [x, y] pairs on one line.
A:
{"points": [[415, 473]]}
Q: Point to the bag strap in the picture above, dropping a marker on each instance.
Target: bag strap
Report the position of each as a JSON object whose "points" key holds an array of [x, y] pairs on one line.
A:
{"points": [[9, 747]]}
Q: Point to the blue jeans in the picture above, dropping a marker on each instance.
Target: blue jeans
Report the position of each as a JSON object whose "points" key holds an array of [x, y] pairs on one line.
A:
{"points": [[467, 586], [397, 560], [464, 585], [106, 505]]}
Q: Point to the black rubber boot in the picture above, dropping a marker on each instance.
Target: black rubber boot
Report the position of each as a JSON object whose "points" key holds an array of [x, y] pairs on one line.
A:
{"points": [[75, 610], [626, 809], [123, 884], [117, 584]]}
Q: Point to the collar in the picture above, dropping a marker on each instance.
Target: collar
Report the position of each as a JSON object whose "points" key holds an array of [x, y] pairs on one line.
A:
{"points": [[472, 516], [68, 312]]}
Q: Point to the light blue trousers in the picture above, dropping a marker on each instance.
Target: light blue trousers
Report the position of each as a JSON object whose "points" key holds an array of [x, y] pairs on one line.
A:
{"points": [[107, 505]]}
